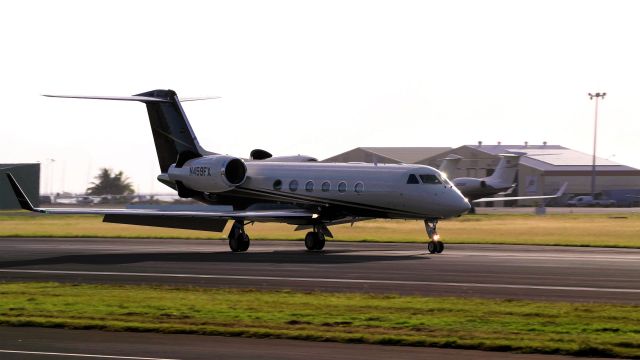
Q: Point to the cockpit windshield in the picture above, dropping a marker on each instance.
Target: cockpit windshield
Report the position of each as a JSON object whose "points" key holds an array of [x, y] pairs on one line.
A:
{"points": [[430, 179], [444, 179], [413, 179], [434, 179]]}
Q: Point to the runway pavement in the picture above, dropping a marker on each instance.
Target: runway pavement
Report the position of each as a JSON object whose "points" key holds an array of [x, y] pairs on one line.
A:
{"points": [[549, 273], [526, 272], [43, 344]]}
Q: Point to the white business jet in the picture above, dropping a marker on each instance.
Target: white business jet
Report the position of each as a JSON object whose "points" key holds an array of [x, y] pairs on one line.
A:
{"points": [[296, 190], [501, 182]]}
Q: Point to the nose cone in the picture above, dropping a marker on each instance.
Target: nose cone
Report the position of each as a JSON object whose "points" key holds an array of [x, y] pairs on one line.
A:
{"points": [[457, 204], [463, 206]]}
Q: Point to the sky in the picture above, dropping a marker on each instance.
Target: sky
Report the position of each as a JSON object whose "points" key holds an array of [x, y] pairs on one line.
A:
{"points": [[313, 77]]}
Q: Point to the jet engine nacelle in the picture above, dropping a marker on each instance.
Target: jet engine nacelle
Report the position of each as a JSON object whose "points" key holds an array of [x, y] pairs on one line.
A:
{"points": [[214, 173], [469, 185]]}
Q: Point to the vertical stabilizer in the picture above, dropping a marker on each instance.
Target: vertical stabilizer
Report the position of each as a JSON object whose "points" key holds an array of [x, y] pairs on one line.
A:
{"points": [[450, 164], [505, 173], [173, 136]]}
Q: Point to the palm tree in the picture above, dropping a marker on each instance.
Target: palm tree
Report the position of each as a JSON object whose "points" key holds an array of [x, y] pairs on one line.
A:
{"points": [[108, 183]]}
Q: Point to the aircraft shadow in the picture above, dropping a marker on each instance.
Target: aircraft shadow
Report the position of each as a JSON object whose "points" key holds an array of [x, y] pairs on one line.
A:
{"points": [[332, 257]]}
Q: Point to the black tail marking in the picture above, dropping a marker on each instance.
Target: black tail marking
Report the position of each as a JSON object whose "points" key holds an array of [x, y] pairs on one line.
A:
{"points": [[171, 131], [185, 156]]}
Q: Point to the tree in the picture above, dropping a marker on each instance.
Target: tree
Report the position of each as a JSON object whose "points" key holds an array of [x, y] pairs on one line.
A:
{"points": [[108, 183]]}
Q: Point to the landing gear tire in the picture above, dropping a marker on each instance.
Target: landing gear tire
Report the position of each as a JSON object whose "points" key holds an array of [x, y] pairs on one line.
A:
{"points": [[314, 241], [434, 246], [240, 243], [238, 239], [320, 242], [245, 242], [431, 247]]}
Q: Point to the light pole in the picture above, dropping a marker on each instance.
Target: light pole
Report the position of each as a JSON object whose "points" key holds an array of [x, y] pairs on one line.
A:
{"points": [[597, 96]]}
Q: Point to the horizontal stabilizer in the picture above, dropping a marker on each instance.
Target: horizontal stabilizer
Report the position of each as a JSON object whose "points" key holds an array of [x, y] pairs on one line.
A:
{"points": [[199, 98], [121, 98], [145, 99], [172, 133]]}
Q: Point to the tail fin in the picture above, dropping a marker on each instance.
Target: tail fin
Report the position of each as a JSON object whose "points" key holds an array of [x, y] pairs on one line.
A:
{"points": [[173, 136], [505, 173], [450, 164], [171, 130]]}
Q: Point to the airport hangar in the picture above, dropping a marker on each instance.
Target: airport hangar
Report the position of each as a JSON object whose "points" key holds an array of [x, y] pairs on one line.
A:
{"points": [[542, 171], [28, 175]]}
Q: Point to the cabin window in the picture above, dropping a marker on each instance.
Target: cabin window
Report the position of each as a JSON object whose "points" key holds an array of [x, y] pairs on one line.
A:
{"points": [[326, 186], [430, 179], [277, 185], [342, 186], [413, 179], [359, 187], [309, 186], [293, 185]]}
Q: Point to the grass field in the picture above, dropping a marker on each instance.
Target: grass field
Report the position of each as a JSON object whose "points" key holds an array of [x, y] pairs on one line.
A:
{"points": [[607, 230], [501, 325]]}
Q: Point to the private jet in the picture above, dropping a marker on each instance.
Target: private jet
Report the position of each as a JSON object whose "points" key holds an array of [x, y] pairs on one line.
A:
{"points": [[501, 182], [295, 190]]}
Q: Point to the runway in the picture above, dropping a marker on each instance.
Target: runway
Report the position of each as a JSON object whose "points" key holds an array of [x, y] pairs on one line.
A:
{"points": [[51, 344], [524, 272]]}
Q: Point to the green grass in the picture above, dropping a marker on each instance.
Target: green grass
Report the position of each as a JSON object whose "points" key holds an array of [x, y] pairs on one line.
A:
{"points": [[499, 325], [606, 230]]}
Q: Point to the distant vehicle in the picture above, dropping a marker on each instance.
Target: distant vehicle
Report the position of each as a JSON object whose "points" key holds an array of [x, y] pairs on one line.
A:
{"points": [[587, 200], [46, 199], [85, 200]]}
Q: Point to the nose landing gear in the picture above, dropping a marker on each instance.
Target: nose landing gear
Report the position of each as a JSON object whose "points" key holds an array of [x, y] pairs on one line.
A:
{"points": [[434, 246]]}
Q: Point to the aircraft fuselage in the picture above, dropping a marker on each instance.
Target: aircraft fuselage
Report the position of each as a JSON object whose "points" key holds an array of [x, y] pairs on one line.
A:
{"points": [[359, 189]]}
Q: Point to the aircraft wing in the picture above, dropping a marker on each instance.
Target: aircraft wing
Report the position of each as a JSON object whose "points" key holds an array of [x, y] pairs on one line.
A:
{"points": [[556, 195], [256, 215]]}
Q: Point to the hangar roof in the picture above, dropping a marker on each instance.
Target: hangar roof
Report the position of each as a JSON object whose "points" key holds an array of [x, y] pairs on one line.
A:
{"points": [[407, 155], [553, 157]]}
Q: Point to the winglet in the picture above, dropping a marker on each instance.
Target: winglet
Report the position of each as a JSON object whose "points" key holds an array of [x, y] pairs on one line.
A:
{"points": [[20, 195], [562, 189]]}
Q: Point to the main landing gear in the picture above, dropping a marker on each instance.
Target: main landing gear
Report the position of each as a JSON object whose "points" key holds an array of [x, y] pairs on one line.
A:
{"points": [[238, 239], [434, 246], [315, 240]]}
